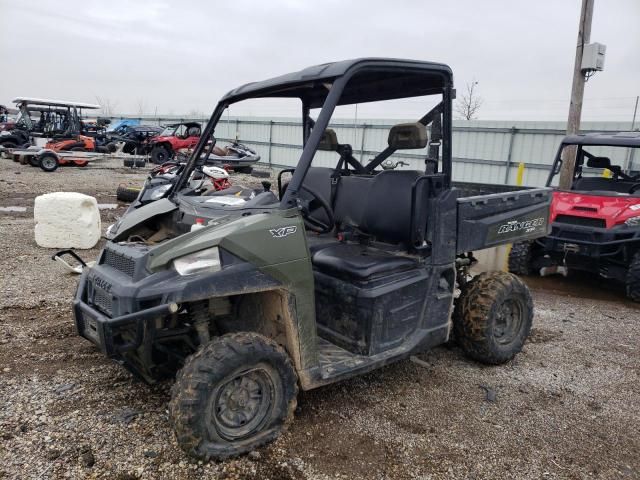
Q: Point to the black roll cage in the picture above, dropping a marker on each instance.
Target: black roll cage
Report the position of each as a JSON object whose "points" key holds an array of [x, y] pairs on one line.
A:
{"points": [[312, 135]]}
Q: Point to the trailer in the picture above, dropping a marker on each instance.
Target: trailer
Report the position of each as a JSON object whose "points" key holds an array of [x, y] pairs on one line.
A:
{"points": [[49, 160]]}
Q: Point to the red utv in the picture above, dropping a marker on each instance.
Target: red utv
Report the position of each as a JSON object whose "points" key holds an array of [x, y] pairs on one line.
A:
{"points": [[174, 137], [595, 224]]}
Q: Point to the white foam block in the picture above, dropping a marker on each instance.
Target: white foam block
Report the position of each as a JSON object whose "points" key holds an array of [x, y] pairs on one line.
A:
{"points": [[66, 220]]}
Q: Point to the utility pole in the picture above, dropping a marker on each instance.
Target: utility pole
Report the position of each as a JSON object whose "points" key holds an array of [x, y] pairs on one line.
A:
{"points": [[577, 94]]}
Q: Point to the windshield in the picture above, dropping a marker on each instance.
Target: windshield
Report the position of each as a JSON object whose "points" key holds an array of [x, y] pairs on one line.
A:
{"points": [[23, 118], [613, 170], [168, 131]]}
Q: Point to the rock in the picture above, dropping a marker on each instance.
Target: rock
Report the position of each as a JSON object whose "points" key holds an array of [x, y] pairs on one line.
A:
{"points": [[63, 388], [150, 454], [87, 459], [254, 455], [126, 415], [53, 454], [490, 393]]}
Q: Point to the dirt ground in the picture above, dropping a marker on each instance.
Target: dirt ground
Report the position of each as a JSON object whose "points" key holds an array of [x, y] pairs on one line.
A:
{"points": [[567, 407]]}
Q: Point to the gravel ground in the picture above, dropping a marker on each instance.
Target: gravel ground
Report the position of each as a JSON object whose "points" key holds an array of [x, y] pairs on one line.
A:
{"points": [[567, 407]]}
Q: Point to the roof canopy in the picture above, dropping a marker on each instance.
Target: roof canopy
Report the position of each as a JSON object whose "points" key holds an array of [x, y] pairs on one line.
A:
{"points": [[612, 139], [375, 79], [55, 103]]}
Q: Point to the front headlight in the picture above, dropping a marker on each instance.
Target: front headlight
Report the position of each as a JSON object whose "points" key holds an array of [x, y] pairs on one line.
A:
{"points": [[204, 261], [632, 222], [160, 192]]}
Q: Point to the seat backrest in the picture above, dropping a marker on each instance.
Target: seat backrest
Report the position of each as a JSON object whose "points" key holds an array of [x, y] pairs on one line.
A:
{"points": [[352, 194], [387, 215], [378, 205], [602, 184]]}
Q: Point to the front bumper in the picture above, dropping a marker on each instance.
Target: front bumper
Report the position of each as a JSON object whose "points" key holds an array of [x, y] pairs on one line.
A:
{"points": [[120, 305], [115, 336], [589, 241]]}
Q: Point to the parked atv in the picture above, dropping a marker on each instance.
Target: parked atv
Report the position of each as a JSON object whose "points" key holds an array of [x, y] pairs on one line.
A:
{"points": [[596, 224], [173, 138], [162, 177], [136, 138], [349, 269]]}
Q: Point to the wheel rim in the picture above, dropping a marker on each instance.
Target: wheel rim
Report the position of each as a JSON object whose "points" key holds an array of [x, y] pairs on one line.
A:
{"points": [[241, 405], [509, 320], [161, 156], [48, 162]]}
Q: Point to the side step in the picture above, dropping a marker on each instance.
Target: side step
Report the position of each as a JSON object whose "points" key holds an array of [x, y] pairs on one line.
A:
{"points": [[335, 360]]}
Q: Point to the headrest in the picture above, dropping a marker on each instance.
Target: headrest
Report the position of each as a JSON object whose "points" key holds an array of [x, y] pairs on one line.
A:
{"points": [[405, 136], [599, 162], [329, 141]]}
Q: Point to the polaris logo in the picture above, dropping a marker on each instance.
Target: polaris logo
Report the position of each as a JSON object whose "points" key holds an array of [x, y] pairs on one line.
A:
{"points": [[102, 284], [527, 225], [283, 231]]}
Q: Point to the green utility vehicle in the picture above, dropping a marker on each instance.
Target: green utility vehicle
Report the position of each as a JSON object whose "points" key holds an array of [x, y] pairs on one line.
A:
{"points": [[342, 270]]}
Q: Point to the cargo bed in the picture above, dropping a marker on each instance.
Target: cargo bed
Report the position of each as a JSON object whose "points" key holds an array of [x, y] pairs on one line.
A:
{"points": [[485, 221]]}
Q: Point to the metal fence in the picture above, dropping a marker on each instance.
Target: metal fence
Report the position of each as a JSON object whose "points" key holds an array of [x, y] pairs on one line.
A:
{"points": [[483, 151]]}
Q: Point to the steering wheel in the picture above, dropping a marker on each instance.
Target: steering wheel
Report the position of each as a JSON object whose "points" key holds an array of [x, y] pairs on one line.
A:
{"points": [[311, 223], [633, 188]]}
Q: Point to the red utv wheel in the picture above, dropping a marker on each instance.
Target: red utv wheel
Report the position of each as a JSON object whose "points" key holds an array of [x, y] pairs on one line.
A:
{"points": [[633, 278], [160, 154], [81, 163]]}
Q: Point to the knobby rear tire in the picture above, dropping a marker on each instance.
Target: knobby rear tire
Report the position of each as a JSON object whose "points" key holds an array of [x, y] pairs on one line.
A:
{"points": [[479, 316]]}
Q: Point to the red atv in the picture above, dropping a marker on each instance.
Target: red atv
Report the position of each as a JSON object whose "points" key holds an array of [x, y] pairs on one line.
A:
{"points": [[596, 224], [174, 137]]}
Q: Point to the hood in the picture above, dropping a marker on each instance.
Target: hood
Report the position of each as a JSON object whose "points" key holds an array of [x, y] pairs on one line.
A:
{"points": [[161, 139], [613, 209]]}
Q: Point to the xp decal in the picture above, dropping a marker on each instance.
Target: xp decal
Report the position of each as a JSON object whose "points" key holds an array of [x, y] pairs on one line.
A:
{"points": [[283, 231]]}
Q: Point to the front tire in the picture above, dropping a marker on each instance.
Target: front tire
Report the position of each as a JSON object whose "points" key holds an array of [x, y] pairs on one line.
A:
{"points": [[233, 395], [493, 317], [632, 282]]}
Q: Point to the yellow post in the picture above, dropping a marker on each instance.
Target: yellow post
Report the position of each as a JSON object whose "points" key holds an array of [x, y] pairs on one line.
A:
{"points": [[520, 174], [519, 180]]}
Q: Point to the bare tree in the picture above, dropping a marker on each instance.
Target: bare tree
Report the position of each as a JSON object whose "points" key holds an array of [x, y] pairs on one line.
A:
{"points": [[468, 105], [108, 106]]}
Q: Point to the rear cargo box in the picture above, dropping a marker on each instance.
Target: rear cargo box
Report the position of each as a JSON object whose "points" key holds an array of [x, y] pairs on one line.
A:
{"points": [[489, 220]]}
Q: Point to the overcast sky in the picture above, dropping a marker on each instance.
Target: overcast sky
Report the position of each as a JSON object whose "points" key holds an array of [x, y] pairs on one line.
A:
{"points": [[180, 57]]}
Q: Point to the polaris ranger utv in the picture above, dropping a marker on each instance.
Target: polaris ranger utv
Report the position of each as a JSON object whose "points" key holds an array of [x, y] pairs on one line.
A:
{"points": [[596, 224], [348, 268]]}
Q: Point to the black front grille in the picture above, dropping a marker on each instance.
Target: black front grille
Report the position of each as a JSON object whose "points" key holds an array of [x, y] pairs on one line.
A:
{"points": [[102, 301], [581, 221], [124, 264]]}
